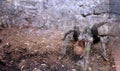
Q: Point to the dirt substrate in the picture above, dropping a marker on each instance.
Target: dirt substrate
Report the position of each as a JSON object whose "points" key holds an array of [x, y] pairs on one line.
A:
{"points": [[35, 50]]}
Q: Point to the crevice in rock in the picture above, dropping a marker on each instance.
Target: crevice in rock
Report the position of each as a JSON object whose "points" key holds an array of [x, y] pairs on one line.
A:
{"points": [[85, 15], [94, 13]]}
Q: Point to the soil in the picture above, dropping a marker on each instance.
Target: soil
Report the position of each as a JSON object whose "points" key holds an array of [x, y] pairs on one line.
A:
{"points": [[30, 49], [116, 50]]}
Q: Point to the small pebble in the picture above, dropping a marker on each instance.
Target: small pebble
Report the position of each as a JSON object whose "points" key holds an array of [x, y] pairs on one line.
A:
{"points": [[35, 69], [90, 69], [113, 66], [74, 70]]}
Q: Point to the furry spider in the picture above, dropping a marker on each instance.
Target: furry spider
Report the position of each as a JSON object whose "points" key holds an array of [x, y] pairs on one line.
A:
{"points": [[88, 34]]}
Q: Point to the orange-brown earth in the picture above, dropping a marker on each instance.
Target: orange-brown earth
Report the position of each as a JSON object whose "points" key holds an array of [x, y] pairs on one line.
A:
{"points": [[30, 49]]}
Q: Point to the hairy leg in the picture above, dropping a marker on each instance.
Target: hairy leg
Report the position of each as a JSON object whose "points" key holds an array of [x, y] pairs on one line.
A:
{"points": [[84, 63], [65, 43], [103, 48]]}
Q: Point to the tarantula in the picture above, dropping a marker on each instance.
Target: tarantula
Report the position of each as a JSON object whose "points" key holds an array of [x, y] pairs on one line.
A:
{"points": [[93, 36], [89, 34]]}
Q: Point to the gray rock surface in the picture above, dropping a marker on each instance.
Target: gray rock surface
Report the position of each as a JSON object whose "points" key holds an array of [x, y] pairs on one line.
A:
{"points": [[60, 14]]}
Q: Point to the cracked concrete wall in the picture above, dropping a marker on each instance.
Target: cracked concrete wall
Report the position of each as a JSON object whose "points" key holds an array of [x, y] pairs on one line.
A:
{"points": [[60, 14]]}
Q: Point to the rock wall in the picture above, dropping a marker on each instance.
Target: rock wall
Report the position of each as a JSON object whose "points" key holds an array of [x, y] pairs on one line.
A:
{"points": [[60, 14], [115, 9]]}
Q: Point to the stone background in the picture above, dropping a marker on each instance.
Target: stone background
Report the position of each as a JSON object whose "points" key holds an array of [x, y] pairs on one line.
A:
{"points": [[115, 9], [58, 14]]}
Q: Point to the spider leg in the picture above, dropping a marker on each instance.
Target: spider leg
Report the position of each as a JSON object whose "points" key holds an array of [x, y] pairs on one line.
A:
{"points": [[103, 48], [65, 43]]}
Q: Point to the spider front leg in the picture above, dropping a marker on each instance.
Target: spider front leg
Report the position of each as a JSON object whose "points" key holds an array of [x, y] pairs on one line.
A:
{"points": [[65, 43], [103, 48], [87, 57], [84, 62]]}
